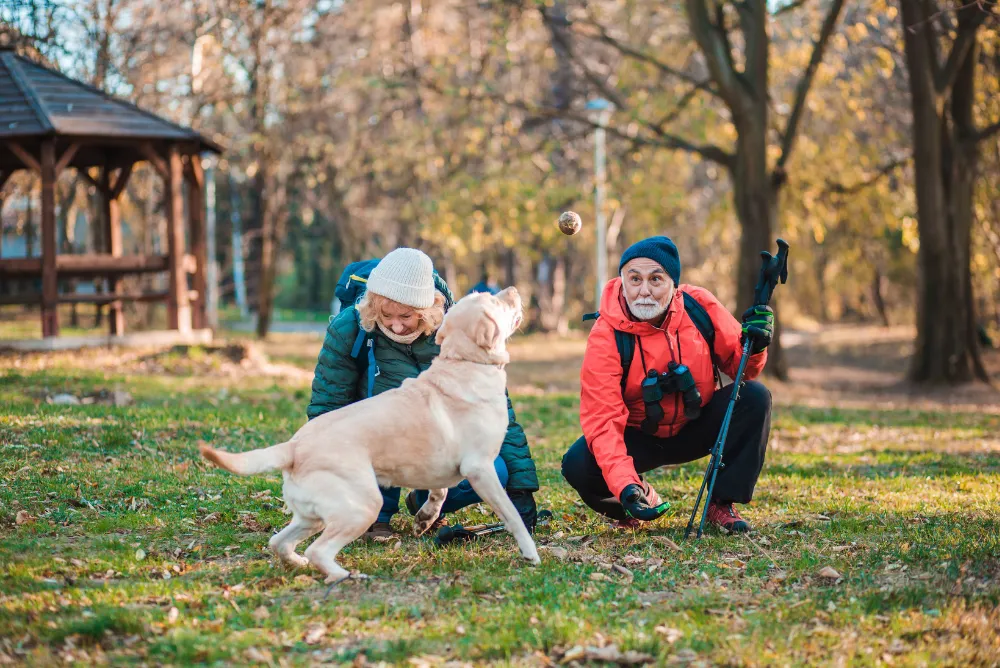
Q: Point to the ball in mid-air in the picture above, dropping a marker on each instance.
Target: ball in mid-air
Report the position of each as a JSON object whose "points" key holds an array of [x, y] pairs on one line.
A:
{"points": [[570, 223]]}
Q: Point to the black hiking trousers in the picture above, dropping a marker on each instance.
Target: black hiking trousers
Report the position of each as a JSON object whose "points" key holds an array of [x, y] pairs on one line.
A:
{"points": [[743, 456]]}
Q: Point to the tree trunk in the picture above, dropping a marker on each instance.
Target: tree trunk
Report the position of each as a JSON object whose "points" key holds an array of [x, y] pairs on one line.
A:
{"points": [[877, 299], [755, 201], [268, 249], [946, 349]]}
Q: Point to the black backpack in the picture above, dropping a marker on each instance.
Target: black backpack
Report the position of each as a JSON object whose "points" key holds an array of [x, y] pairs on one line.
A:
{"points": [[699, 316]]}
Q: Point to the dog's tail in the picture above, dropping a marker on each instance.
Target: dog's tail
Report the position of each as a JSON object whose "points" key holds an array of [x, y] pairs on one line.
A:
{"points": [[247, 463]]}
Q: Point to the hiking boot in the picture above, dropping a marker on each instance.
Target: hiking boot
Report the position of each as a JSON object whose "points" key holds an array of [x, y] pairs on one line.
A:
{"points": [[724, 516], [378, 530]]}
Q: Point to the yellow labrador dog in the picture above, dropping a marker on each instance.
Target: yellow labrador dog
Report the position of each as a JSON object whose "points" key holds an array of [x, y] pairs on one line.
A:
{"points": [[430, 433]]}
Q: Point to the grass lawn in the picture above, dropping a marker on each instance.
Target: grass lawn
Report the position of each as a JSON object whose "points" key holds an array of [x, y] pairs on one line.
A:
{"points": [[120, 545]]}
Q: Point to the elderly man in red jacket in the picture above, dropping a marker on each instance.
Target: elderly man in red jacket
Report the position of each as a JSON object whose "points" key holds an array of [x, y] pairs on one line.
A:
{"points": [[626, 433]]}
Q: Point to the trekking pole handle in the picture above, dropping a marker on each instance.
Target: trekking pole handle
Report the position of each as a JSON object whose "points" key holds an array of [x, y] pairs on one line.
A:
{"points": [[773, 268]]}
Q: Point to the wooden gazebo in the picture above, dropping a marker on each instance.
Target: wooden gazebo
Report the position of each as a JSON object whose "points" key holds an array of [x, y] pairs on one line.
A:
{"points": [[48, 123]]}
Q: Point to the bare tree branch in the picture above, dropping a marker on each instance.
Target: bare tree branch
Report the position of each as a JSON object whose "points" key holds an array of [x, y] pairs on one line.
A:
{"points": [[716, 54], [595, 79], [968, 32], [805, 82], [660, 137], [884, 170], [605, 37], [987, 132]]}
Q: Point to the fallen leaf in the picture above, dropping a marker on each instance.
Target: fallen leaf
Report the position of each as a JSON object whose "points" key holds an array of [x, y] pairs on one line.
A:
{"points": [[140, 554], [573, 653], [828, 572], [23, 517], [611, 654], [671, 635], [560, 553], [633, 560], [779, 575], [624, 571], [599, 577], [841, 548], [173, 615], [663, 540], [261, 613], [314, 634], [258, 655]]}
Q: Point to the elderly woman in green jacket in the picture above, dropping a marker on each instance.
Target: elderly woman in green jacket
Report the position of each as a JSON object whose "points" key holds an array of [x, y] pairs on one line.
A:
{"points": [[387, 337]]}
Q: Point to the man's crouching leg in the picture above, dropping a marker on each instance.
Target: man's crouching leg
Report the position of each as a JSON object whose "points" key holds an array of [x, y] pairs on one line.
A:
{"points": [[583, 473], [746, 446]]}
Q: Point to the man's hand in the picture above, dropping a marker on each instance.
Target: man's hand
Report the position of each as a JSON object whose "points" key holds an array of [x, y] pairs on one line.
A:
{"points": [[524, 503], [758, 324], [633, 498]]}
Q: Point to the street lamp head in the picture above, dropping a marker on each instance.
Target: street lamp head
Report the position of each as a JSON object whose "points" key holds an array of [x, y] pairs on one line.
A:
{"points": [[599, 104]]}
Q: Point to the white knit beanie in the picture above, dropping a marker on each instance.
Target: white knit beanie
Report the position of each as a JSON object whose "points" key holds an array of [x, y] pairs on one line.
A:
{"points": [[405, 275]]}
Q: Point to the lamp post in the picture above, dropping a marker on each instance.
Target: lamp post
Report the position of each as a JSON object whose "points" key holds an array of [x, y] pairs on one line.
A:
{"points": [[602, 115], [212, 270]]}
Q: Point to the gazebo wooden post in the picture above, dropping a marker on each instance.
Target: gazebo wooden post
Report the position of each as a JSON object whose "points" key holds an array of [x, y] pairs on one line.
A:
{"points": [[50, 285], [113, 236], [196, 214], [178, 307], [113, 245]]}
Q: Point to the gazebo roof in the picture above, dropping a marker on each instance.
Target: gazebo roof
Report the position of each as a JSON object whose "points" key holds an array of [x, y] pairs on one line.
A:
{"points": [[37, 102]]}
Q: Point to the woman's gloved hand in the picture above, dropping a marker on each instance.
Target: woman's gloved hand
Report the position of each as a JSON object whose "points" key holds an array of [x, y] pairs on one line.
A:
{"points": [[524, 503]]}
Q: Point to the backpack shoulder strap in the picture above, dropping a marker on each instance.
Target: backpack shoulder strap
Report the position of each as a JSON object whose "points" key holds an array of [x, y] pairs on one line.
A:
{"points": [[699, 316], [626, 351], [363, 353], [703, 321]]}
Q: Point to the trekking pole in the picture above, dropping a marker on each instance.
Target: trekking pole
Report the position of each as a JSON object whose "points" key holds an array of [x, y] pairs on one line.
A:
{"points": [[773, 268]]}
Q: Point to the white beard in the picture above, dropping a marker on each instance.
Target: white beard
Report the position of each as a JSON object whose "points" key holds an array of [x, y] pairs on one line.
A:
{"points": [[646, 309]]}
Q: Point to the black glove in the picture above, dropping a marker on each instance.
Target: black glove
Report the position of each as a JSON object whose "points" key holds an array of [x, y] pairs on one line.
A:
{"points": [[524, 503], [758, 324], [633, 498]]}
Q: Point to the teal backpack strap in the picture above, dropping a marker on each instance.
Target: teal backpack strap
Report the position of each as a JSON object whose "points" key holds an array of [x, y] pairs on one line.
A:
{"points": [[363, 352], [591, 316]]}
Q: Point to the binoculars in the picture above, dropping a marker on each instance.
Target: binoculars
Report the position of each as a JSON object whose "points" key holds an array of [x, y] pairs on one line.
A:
{"points": [[676, 379]]}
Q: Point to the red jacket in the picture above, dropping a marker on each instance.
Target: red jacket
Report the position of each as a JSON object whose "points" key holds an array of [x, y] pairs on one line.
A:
{"points": [[604, 412]]}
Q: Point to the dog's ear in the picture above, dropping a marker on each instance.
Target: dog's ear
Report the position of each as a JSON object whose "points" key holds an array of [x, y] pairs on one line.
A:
{"points": [[442, 332], [487, 333]]}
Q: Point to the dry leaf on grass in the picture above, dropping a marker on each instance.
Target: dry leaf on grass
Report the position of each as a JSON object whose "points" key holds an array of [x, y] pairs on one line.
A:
{"points": [[608, 655], [828, 572], [314, 633], [173, 615], [624, 571], [663, 540], [258, 655], [261, 613], [671, 635], [559, 553], [23, 517]]}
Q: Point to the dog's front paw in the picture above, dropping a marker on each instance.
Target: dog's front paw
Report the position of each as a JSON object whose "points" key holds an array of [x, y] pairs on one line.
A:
{"points": [[420, 528]]}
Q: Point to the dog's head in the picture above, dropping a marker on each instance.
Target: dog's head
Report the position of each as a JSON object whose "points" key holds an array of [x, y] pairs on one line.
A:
{"points": [[477, 327]]}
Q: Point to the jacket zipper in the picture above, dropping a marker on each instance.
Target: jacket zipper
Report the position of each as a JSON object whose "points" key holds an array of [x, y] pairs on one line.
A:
{"points": [[413, 358]]}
